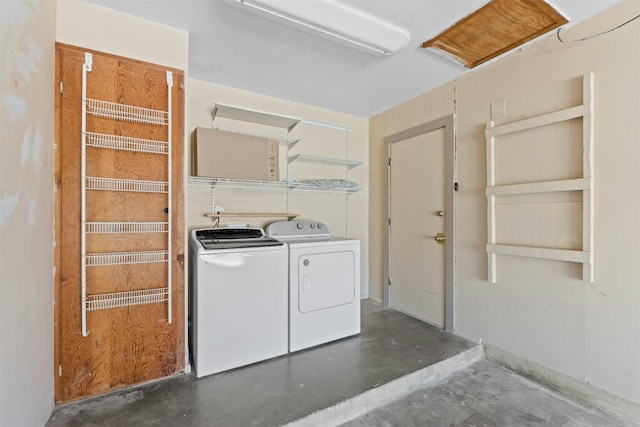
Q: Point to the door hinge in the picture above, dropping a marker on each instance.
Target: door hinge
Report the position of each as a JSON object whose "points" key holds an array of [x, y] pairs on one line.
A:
{"points": [[389, 281], [59, 370], [61, 87], [389, 161], [389, 221]]}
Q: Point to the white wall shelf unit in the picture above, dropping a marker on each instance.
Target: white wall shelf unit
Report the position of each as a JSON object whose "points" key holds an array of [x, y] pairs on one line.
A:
{"points": [[348, 163], [215, 217], [93, 140], [282, 139], [583, 184], [241, 117], [251, 214], [275, 186], [253, 116]]}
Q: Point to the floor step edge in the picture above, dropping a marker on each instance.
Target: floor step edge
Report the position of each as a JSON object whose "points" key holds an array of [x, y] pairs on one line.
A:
{"points": [[374, 398]]}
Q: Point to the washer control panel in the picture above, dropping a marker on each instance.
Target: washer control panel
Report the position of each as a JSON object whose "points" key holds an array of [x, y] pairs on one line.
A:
{"points": [[297, 228]]}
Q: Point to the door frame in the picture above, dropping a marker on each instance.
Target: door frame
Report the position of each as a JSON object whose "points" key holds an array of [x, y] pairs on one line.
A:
{"points": [[448, 124]]}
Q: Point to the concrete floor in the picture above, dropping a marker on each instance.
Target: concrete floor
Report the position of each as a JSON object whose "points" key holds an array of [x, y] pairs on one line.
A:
{"points": [[392, 362], [482, 395]]}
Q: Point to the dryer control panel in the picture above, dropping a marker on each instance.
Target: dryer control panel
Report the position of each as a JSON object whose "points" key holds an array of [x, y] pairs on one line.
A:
{"points": [[296, 228]]}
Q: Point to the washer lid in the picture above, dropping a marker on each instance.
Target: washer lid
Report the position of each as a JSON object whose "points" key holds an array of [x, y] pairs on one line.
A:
{"points": [[229, 238]]}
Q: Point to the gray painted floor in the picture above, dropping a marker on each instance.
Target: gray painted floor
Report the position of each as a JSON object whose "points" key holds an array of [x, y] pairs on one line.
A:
{"points": [[391, 348]]}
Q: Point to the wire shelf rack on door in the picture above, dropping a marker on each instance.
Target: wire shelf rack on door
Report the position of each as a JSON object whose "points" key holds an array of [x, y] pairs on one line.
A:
{"points": [[127, 227], [126, 299], [97, 140]]}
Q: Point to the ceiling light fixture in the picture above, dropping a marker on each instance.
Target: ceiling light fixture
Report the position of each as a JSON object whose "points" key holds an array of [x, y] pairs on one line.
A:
{"points": [[335, 21]]}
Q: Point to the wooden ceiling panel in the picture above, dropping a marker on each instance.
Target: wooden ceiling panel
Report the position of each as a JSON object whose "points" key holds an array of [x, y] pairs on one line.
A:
{"points": [[496, 28]]}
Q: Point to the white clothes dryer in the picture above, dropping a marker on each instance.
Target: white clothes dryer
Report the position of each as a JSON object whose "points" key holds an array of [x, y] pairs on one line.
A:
{"points": [[324, 283]]}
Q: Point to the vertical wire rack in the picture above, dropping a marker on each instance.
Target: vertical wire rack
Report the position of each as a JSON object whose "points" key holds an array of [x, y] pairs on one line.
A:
{"points": [[134, 114]]}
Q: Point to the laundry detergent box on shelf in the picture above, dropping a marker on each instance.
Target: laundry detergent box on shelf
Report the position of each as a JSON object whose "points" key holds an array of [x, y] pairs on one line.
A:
{"points": [[222, 154]]}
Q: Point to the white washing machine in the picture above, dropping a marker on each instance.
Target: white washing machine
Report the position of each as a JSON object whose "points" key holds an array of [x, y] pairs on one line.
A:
{"points": [[238, 298], [324, 283]]}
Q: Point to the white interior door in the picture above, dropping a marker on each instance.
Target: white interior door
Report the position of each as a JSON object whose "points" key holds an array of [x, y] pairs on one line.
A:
{"points": [[417, 264], [420, 204]]}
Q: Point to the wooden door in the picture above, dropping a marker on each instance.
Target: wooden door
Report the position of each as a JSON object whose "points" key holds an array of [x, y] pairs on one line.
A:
{"points": [[131, 342], [417, 205]]}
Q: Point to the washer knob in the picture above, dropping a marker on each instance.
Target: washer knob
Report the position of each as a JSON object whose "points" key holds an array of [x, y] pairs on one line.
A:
{"points": [[312, 225], [320, 226], [300, 226]]}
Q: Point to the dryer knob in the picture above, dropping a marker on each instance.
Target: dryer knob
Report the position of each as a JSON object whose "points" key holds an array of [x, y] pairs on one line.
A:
{"points": [[320, 226], [300, 226], [312, 225]]}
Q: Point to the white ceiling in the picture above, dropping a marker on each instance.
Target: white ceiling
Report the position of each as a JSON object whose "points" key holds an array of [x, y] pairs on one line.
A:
{"points": [[234, 48]]}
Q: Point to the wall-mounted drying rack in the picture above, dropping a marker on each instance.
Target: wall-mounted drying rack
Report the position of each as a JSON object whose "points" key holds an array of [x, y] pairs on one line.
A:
{"points": [[135, 114], [583, 184]]}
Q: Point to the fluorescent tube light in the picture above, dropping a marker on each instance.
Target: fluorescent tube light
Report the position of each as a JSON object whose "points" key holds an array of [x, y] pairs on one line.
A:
{"points": [[336, 21]]}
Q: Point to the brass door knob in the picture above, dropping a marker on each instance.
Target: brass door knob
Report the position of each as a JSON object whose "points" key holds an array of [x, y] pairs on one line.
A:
{"points": [[440, 238]]}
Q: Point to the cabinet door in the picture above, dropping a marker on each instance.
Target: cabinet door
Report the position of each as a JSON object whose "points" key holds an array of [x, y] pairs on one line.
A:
{"points": [[135, 342]]}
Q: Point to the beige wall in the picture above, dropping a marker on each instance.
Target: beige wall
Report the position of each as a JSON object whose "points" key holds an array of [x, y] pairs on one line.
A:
{"points": [[27, 30], [87, 25], [540, 309], [329, 208]]}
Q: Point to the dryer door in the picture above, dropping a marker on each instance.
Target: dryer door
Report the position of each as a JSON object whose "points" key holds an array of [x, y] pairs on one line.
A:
{"points": [[326, 280]]}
